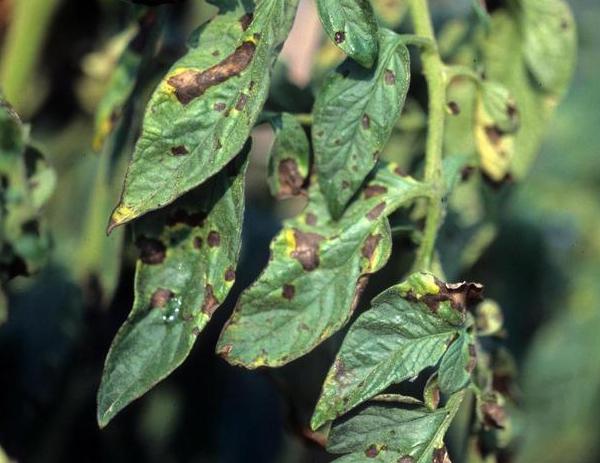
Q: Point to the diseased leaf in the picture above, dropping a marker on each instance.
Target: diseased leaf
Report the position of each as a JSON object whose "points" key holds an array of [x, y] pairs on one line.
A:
{"points": [[457, 364], [316, 272], [550, 42], [354, 115], [289, 158], [408, 329], [202, 112], [394, 435], [188, 256], [27, 183], [123, 77], [352, 26], [505, 60]]}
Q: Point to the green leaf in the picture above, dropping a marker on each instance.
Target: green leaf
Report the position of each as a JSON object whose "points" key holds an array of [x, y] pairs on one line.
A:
{"points": [[550, 42], [354, 114], [394, 435], [457, 364], [408, 329], [317, 270], [352, 26], [188, 255], [123, 78], [201, 113], [289, 158]]}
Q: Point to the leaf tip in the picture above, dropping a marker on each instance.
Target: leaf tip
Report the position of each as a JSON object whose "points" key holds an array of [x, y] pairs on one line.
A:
{"points": [[122, 214]]}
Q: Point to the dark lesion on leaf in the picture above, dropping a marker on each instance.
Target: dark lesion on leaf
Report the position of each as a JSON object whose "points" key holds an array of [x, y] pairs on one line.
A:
{"points": [[160, 298], [229, 274], [339, 37], [310, 219], [307, 249], [197, 242], [288, 292], [179, 150], [406, 459], [290, 179], [494, 414], [460, 295], [494, 134], [372, 451], [374, 190], [370, 246], [241, 102], [389, 77], [376, 211], [365, 121], [191, 84], [213, 239], [152, 251], [210, 303], [441, 456], [246, 20]]}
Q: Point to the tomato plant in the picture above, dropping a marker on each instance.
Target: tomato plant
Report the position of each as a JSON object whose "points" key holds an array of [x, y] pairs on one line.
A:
{"points": [[398, 151]]}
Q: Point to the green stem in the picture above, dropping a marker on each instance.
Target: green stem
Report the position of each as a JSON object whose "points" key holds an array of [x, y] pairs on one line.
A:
{"points": [[434, 71], [26, 33], [304, 118]]}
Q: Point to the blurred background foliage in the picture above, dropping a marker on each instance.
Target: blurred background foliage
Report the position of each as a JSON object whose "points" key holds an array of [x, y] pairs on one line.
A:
{"points": [[535, 245]]}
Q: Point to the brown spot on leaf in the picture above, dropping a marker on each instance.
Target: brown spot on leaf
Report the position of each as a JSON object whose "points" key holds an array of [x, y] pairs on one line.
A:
{"points": [[345, 184], [288, 291], [230, 274], [374, 190], [241, 102], [406, 459], [376, 211], [226, 350], [191, 84], [361, 284], [389, 77], [220, 106], [460, 295], [494, 414], [311, 219], [370, 245], [213, 239], [179, 150], [210, 303], [399, 171], [441, 456], [196, 331], [160, 298], [339, 369], [365, 121], [216, 53], [339, 37], [152, 252], [494, 134], [454, 108], [197, 243], [290, 179], [246, 20], [307, 249], [372, 451], [466, 173]]}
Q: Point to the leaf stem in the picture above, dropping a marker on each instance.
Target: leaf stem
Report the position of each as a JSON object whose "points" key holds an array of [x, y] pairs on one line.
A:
{"points": [[26, 33], [434, 71]]}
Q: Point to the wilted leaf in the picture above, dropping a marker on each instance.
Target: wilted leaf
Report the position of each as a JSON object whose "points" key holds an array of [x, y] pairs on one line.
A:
{"points": [[354, 115], [289, 158], [395, 435], [188, 256], [408, 329], [351, 25], [202, 112], [317, 270]]}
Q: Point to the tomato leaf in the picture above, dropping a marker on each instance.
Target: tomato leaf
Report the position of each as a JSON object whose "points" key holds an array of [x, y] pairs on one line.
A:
{"points": [[201, 113], [354, 115], [188, 255], [315, 275], [408, 329], [352, 26], [289, 157], [394, 435]]}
